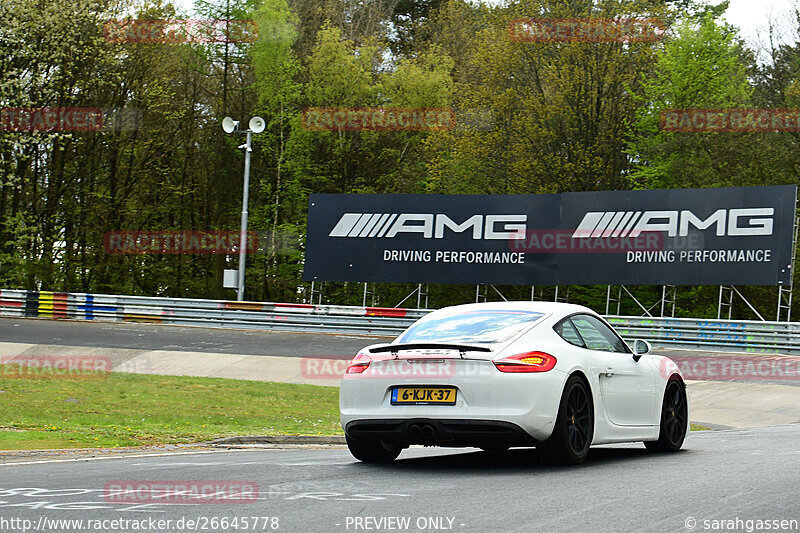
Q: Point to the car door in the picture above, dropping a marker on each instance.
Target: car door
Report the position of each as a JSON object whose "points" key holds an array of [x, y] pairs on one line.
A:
{"points": [[627, 386]]}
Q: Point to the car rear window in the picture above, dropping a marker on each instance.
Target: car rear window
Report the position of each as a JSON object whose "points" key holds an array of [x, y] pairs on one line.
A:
{"points": [[471, 327]]}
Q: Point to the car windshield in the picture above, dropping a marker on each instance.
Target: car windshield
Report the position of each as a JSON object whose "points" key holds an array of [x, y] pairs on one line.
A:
{"points": [[471, 327]]}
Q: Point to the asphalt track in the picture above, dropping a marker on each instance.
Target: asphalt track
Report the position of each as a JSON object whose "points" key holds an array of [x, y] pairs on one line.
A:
{"points": [[720, 475], [179, 338], [129, 335]]}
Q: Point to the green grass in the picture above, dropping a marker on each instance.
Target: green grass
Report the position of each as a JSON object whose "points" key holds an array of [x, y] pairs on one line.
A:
{"points": [[697, 427], [118, 409]]}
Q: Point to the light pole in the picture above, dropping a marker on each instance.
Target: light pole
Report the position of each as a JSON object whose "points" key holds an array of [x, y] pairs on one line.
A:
{"points": [[256, 125]]}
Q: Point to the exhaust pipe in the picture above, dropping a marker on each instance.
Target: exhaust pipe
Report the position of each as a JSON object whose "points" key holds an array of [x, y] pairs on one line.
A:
{"points": [[414, 432], [428, 433]]}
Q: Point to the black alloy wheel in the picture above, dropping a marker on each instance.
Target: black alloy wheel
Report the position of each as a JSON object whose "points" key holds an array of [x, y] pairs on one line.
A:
{"points": [[574, 428], [578, 419], [674, 418]]}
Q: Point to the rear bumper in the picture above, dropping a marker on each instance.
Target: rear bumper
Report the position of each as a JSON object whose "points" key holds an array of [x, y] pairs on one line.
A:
{"points": [[440, 432], [484, 396]]}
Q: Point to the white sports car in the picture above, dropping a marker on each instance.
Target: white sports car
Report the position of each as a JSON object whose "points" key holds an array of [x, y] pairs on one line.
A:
{"points": [[496, 375]]}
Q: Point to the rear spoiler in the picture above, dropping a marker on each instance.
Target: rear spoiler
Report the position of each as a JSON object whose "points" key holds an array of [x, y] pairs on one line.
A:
{"points": [[461, 348]]}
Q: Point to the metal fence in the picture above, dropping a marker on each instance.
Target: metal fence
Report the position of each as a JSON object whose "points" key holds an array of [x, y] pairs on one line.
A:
{"points": [[709, 334], [720, 335], [208, 313]]}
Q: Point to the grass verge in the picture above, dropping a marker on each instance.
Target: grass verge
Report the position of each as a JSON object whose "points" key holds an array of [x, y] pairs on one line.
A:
{"points": [[118, 409]]}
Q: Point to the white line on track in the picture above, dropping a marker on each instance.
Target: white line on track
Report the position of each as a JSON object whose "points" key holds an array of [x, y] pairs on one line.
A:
{"points": [[166, 454]]}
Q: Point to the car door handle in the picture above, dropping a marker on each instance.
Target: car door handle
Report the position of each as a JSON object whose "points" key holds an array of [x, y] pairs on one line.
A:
{"points": [[609, 372]]}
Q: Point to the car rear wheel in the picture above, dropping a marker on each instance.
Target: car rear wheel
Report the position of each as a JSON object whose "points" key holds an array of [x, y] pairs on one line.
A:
{"points": [[371, 451], [574, 428], [674, 419]]}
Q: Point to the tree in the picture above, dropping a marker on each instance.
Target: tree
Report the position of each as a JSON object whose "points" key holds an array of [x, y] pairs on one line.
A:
{"points": [[556, 111], [702, 67], [276, 68], [409, 19]]}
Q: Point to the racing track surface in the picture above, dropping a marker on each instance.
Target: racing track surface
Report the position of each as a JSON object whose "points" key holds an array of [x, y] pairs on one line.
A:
{"points": [[129, 335], [722, 475], [179, 338]]}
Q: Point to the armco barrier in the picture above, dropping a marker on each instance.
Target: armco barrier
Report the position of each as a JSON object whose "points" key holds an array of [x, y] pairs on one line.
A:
{"points": [[708, 334], [209, 313], [690, 333]]}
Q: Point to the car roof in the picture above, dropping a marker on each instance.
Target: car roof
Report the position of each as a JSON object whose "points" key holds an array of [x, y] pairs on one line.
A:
{"points": [[555, 308]]}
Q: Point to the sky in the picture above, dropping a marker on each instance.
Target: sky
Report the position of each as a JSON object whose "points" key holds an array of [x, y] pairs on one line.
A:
{"points": [[752, 17]]}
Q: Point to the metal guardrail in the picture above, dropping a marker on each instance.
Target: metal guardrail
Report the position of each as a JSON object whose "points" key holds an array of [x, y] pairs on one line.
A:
{"points": [[709, 334], [705, 334], [208, 313]]}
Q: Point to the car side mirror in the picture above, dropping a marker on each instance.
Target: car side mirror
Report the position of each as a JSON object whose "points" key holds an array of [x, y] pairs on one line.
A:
{"points": [[640, 347]]}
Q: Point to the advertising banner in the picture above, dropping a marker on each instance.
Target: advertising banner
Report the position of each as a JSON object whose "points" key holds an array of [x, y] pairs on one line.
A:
{"points": [[740, 236]]}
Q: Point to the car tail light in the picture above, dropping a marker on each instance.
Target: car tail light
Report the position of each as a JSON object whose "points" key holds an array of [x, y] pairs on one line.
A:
{"points": [[359, 363], [526, 362]]}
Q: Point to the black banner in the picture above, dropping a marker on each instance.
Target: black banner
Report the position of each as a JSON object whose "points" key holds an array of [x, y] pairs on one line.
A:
{"points": [[740, 236]]}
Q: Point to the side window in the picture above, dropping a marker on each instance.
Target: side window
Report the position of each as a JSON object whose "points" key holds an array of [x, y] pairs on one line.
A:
{"points": [[566, 331], [597, 335]]}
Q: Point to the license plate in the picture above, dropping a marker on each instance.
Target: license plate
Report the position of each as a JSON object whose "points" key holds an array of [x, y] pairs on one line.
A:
{"points": [[423, 395]]}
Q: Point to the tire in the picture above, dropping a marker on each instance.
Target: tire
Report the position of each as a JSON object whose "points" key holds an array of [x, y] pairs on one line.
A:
{"points": [[574, 427], [371, 451], [674, 418]]}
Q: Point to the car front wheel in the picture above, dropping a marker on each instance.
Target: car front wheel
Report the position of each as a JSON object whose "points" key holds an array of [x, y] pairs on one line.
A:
{"points": [[674, 419]]}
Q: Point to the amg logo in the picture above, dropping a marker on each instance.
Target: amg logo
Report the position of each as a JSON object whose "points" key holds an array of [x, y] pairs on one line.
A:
{"points": [[730, 222], [430, 226]]}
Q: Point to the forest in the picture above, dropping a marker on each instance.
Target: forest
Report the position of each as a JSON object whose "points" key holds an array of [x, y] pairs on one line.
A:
{"points": [[526, 116]]}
